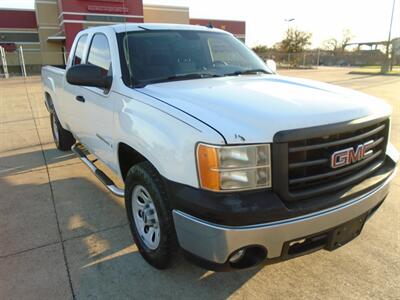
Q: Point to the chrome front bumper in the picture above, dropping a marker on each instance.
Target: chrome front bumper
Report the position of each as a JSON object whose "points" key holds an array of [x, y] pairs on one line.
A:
{"points": [[215, 243]]}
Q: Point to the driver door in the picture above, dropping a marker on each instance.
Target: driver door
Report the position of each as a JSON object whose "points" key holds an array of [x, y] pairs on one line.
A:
{"points": [[96, 114]]}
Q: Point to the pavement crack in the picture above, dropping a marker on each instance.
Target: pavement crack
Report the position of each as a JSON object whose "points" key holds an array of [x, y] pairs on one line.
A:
{"points": [[27, 250]]}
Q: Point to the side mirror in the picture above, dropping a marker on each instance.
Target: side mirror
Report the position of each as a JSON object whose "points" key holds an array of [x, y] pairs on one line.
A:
{"points": [[88, 75], [271, 64]]}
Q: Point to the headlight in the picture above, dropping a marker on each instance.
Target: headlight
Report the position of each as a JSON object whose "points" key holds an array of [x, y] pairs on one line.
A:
{"points": [[229, 168]]}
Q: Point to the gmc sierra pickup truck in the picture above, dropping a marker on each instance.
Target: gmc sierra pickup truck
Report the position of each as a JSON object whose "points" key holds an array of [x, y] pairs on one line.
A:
{"points": [[220, 157]]}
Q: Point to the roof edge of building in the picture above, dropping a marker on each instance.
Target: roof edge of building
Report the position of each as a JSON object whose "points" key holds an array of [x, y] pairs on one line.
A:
{"points": [[17, 9], [165, 7], [212, 19]]}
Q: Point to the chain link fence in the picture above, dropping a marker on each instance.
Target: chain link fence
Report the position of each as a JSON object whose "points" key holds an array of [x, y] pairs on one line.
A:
{"points": [[313, 58], [28, 62]]}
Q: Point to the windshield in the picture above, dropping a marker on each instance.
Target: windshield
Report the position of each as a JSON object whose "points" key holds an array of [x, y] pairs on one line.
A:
{"points": [[153, 56]]}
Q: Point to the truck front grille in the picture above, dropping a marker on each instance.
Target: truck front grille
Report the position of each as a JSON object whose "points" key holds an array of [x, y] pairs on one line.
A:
{"points": [[308, 163]]}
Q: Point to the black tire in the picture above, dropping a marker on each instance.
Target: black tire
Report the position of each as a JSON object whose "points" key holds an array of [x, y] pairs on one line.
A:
{"points": [[144, 174], [65, 139]]}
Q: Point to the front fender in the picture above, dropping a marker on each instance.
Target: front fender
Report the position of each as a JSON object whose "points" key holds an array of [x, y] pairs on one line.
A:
{"points": [[164, 139]]}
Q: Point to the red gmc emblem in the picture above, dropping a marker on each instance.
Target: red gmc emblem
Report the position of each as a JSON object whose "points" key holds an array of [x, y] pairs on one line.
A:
{"points": [[350, 155]]}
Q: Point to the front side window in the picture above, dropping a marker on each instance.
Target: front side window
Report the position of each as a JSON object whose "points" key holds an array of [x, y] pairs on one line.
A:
{"points": [[99, 53], [164, 55], [80, 46]]}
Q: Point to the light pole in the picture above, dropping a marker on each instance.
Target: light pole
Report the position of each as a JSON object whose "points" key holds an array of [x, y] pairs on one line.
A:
{"points": [[288, 24], [385, 67]]}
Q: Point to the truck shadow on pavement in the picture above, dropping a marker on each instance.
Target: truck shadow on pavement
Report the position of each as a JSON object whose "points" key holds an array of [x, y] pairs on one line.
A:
{"points": [[34, 160], [119, 272], [100, 256]]}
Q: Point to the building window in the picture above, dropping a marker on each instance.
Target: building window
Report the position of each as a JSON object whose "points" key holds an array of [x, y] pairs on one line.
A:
{"points": [[105, 18], [19, 37], [79, 50]]}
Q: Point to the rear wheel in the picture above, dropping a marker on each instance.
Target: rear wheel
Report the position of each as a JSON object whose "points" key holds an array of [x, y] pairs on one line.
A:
{"points": [[149, 216], [62, 137]]}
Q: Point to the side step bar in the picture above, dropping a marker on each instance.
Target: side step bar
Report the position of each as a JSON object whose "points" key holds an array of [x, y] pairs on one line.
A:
{"points": [[99, 173]]}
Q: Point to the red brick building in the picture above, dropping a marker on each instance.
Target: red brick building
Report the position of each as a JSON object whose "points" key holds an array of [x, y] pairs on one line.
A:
{"points": [[47, 32]]}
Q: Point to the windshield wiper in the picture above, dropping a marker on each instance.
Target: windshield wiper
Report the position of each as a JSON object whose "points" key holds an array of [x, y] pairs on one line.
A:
{"points": [[192, 76], [177, 77], [250, 71]]}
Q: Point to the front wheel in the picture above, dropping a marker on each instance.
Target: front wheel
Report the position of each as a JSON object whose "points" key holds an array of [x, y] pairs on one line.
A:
{"points": [[149, 216], [62, 137]]}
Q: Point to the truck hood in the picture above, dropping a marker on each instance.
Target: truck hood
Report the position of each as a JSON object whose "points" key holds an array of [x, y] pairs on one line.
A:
{"points": [[252, 108]]}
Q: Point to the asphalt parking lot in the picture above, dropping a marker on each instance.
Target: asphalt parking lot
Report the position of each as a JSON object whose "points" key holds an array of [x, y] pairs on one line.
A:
{"points": [[64, 236]]}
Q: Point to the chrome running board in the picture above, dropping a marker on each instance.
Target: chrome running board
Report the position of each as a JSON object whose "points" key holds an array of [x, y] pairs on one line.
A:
{"points": [[99, 173]]}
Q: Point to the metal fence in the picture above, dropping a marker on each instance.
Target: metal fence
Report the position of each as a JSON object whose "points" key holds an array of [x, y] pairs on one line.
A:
{"points": [[27, 62], [312, 58]]}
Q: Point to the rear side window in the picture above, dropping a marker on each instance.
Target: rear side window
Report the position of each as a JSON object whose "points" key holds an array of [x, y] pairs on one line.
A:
{"points": [[99, 53], [79, 50]]}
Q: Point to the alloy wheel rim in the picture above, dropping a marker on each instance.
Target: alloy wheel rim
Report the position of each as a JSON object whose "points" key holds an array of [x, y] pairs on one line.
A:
{"points": [[145, 217]]}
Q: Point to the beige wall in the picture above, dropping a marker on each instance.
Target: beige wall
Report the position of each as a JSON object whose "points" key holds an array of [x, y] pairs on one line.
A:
{"points": [[47, 13], [48, 25], [165, 14]]}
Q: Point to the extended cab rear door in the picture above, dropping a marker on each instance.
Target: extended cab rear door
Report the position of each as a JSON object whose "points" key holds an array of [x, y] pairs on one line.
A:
{"points": [[70, 105]]}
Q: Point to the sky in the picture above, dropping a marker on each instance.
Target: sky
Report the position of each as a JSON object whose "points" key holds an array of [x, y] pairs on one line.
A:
{"points": [[368, 20]]}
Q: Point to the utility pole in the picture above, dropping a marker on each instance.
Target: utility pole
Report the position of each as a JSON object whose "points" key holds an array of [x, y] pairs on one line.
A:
{"points": [[385, 67], [318, 57]]}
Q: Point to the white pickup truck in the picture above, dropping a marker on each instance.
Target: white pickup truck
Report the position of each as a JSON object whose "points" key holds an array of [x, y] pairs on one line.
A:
{"points": [[220, 156]]}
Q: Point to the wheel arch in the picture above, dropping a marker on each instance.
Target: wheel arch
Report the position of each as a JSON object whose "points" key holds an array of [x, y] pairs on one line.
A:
{"points": [[128, 157]]}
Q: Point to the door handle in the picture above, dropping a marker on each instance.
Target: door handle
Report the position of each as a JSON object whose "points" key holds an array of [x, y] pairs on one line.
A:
{"points": [[80, 98]]}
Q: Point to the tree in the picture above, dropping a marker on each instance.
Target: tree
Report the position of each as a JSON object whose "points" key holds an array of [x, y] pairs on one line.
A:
{"points": [[260, 49], [295, 40], [277, 46], [331, 44], [347, 35], [337, 46]]}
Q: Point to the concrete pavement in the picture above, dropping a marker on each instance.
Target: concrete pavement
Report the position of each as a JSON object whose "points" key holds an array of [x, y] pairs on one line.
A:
{"points": [[64, 236]]}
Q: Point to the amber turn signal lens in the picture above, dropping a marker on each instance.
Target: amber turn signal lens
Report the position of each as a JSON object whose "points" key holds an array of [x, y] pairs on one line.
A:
{"points": [[208, 167]]}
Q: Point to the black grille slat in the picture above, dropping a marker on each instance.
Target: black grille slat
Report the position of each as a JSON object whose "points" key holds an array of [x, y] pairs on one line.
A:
{"points": [[324, 160], [377, 142], [337, 171], [308, 162], [327, 188], [339, 142]]}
